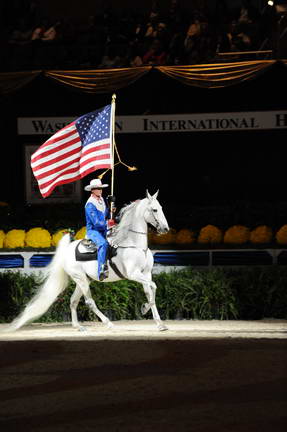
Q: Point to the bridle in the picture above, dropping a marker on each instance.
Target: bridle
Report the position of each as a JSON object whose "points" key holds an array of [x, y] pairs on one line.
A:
{"points": [[142, 233], [154, 218], [156, 225], [155, 221]]}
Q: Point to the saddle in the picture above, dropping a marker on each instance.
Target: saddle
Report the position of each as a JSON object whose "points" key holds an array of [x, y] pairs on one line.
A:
{"points": [[86, 250]]}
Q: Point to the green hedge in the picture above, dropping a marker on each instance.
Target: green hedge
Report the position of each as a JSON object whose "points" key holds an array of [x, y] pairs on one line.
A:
{"points": [[217, 293]]}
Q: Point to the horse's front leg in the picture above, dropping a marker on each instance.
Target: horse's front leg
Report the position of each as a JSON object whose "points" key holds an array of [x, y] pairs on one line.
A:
{"points": [[150, 290]]}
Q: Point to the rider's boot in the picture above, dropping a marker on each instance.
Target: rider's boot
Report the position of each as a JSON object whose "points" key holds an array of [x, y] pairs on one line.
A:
{"points": [[104, 273]]}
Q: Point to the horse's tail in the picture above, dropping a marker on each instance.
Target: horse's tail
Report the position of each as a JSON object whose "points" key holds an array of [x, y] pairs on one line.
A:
{"points": [[55, 282]]}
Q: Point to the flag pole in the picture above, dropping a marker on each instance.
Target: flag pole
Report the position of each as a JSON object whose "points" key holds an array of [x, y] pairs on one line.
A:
{"points": [[113, 153]]}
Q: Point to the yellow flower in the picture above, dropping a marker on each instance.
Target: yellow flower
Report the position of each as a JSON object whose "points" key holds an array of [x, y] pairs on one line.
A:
{"points": [[38, 238], [167, 238], [210, 234], [14, 239], [281, 235], [261, 234], [237, 234], [2, 238], [57, 236], [184, 236], [81, 233]]}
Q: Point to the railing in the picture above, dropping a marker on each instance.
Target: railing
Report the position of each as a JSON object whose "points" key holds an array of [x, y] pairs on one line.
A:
{"points": [[164, 260], [230, 56]]}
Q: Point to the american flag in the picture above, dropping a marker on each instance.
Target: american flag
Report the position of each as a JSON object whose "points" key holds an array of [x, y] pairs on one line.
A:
{"points": [[81, 147]]}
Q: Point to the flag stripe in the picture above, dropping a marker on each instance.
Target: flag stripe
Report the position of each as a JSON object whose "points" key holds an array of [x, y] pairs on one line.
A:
{"points": [[53, 142], [57, 149], [91, 169], [91, 147], [54, 173], [95, 159], [57, 153], [93, 153], [56, 162], [72, 171], [61, 180]]}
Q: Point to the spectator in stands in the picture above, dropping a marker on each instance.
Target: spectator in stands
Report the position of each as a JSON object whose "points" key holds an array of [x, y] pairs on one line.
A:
{"points": [[198, 45], [139, 30], [38, 31], [22, 32], [175, 47], [135, 59], [44, 30], [246, 13], [247, 20], [191, 43], [163, 34], [221, 19], [240, 37], [111, 59], [155, 55], [181, 36], [52, 33], [174, 16], [151, 28]]}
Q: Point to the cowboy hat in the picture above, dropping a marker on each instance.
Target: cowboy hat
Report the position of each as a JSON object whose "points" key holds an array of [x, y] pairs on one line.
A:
{"points": [[95, 184]]}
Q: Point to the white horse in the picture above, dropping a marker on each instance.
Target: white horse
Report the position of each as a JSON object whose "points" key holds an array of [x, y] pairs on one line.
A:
{"points": [[133, 261]]}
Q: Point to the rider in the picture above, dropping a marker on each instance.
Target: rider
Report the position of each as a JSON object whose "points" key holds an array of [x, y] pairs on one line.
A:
{"points": [[97, 215]]}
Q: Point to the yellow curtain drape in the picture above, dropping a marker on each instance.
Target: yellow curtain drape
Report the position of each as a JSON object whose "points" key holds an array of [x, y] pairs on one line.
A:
{"points": [[12, 81], [110, 80], [216, 75], [99, 80]]}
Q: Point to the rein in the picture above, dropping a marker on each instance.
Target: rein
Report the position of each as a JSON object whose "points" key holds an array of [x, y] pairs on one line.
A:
{"points": [[155, 223], [135, 247], [138, 232]]}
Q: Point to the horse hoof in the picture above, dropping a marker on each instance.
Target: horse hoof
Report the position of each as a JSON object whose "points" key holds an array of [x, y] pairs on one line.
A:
{"points": [[109, 325], [162, 327]]}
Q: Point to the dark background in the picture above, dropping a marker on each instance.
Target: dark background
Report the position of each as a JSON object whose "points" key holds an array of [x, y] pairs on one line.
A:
{"points": [[237, 176], [204, 168]]}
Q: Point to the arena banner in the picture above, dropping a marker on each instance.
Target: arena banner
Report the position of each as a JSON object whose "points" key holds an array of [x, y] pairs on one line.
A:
{"points": [[205, 122]]}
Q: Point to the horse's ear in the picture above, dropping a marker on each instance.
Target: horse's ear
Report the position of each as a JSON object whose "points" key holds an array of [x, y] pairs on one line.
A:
{"points": [[148, 195], [156, 194]]}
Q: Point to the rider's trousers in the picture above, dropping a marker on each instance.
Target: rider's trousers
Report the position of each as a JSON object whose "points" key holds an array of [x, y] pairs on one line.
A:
{"points": [[102, 245]]}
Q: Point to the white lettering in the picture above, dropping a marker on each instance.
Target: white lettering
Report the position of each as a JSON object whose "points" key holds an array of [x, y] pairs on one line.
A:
{"points": [[168, 123]]}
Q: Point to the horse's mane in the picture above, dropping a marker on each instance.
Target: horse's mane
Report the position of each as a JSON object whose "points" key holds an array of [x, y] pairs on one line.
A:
{"points": [[125, 217]]}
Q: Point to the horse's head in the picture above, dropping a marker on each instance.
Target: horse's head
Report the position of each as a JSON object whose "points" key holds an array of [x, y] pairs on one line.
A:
{"points": [[154, 214]]}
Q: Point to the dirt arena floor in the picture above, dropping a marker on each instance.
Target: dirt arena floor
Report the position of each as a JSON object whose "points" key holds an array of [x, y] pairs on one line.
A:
{"points": [[197, 376]]}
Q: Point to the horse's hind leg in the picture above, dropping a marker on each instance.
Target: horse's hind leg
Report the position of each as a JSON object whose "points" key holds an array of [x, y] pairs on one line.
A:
{"points": [[83, 287], [92, 305], [73, 305]]}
